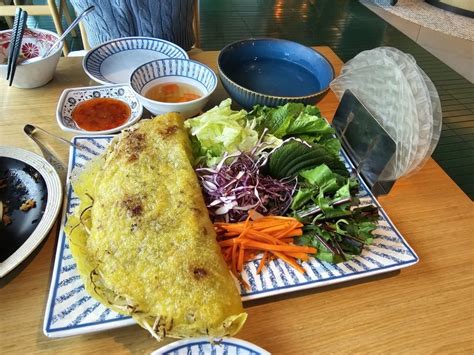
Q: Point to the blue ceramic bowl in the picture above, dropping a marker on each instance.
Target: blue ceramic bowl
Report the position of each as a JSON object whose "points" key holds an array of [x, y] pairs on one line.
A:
{"points": [[273, 72]]}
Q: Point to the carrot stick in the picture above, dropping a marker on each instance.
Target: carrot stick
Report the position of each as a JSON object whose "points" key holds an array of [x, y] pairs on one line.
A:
{"points": [[272, 229], [240, 262], [281, 234], [284, 248], [231, 234], [272, 235], [264, 237], [289, 260], [301, 256], [262, 262], [293, 233], [226, 243]]}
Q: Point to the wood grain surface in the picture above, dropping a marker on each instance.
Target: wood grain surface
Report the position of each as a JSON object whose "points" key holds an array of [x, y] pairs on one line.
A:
{"points": [[426, 308]]}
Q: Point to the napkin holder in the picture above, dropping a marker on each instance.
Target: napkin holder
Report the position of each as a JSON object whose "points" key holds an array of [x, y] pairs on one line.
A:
{"points": [[367, 144]]}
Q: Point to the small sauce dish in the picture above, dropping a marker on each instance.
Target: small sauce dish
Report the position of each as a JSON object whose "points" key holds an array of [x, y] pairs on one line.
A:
{"points": [[98, 109]]}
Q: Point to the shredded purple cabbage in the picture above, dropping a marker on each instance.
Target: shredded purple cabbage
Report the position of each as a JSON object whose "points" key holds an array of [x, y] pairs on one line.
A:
{"points": [[232, 190]]}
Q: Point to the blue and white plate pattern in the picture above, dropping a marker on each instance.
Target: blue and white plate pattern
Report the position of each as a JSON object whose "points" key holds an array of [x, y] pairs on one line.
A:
{"points": [[114, 61], [198, 74], [174, 70], [70, 310], [202, 346], [70, 98]]}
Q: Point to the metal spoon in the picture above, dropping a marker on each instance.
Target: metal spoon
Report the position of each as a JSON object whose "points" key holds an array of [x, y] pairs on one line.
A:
{"points": [[69, 29], [65, 33]]}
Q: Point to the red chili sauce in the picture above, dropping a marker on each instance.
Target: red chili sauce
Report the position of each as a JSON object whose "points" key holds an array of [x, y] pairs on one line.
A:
{"points": [[100, 114]]}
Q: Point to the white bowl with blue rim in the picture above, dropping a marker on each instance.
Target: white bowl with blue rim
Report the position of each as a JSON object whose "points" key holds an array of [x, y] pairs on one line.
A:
{"points": [[202, 346], [174, 70], [273, 72], [112, 62], [70, 98]]}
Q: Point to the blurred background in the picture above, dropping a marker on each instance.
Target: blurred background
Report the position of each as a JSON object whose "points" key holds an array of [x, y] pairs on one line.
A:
{"points": [[439, 34]]}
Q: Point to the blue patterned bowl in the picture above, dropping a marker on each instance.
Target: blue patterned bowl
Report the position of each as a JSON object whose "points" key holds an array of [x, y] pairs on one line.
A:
{"points": [[203, 346], [273, 72], [112, 62], [173, 70]]}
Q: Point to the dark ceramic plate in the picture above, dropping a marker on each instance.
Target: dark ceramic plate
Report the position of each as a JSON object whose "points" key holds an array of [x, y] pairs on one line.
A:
{"points": [[25, 176], [21, 183]]}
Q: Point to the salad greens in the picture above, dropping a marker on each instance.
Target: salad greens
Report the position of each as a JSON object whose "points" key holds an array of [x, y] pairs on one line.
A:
{"points": [[296, 120], [325, 204], [294, 156], [340, 240], [282, 160], [222, 130]]}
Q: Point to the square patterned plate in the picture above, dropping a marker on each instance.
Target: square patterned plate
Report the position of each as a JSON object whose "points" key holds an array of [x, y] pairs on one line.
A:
{"points": [[70, 310]]}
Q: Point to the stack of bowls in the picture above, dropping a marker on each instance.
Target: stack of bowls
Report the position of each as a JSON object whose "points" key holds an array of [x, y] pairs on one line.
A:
{"points": [[403, 100]]}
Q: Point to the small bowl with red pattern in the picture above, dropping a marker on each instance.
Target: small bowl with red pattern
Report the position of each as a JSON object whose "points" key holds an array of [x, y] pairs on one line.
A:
{"points": [[32, 71]]}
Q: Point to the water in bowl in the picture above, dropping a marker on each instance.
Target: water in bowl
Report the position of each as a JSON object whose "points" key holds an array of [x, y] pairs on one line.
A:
{"points": [[275, 77]]}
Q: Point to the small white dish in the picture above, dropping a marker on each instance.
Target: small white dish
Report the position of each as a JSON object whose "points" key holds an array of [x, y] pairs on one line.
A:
{"points": [[173, 70], [112, 62], [35, 179], [70, 98], [202, 346]]}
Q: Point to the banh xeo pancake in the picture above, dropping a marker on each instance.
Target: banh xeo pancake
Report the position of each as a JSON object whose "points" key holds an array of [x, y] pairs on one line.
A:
{"points": [[142, 237]]}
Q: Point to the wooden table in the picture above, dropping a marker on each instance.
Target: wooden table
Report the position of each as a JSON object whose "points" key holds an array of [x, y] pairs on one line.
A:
{"points": [[425, 308]]}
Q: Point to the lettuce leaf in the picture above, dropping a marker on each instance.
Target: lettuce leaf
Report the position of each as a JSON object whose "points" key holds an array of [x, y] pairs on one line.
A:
{"points": [[220, 130], [292, 119]]}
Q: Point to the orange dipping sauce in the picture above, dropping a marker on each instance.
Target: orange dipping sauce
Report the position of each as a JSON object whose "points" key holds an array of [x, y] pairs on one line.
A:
{"points": [[173, 92], [100, 114]]}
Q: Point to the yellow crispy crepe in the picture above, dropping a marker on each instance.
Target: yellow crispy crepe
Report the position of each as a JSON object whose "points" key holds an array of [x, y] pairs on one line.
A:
{"points": [[143, 240]]}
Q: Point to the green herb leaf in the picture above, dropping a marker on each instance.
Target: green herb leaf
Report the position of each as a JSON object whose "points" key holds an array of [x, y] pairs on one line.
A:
{"points": [[310, 125], [292, 119], [318, 176], [220, 130], [303, 196]]}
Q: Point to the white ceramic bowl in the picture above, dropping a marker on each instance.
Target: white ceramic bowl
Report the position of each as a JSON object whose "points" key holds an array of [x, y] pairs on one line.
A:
{"points": [[174, 70], [114, 61], [70, 98], [31, 73]]}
